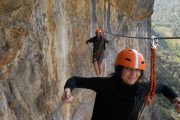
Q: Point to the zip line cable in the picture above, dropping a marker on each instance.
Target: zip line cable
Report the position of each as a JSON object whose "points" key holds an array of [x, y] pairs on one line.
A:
{"points": [[141, 37], [136, 37]]}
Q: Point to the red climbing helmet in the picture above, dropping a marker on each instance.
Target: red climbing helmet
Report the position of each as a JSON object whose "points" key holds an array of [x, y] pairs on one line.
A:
{"points": [[130, 58], [98, 30]]}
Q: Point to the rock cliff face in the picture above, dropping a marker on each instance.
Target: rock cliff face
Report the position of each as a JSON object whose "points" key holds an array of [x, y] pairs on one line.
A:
{"points": [[42, 44]]}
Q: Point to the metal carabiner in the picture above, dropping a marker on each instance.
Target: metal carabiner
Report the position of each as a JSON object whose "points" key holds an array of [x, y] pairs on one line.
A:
{"points": [[154, 42]]}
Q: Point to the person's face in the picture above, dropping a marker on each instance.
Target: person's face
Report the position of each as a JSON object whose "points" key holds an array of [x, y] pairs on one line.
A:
{"points": [[130, 76], [98, 34]]}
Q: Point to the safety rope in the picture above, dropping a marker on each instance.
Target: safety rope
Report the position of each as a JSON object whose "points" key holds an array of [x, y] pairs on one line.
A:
{"points": [[149, 98], [151, 93]]}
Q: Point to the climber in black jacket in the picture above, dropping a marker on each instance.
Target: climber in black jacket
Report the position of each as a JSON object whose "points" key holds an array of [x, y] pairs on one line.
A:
{"points": [[120, 96], [99, 45]]}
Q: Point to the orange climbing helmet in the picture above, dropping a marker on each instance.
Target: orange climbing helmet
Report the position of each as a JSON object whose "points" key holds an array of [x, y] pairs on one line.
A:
{"points": [[98, 30], [130, 58]]}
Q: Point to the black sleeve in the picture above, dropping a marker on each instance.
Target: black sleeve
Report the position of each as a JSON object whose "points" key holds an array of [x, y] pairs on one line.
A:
{"points": [[90, 40], [106, 41], [166, 91], [93, 83]]}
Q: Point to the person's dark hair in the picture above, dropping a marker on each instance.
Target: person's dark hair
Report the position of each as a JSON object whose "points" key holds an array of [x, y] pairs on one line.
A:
{"points": [[118, 70]]}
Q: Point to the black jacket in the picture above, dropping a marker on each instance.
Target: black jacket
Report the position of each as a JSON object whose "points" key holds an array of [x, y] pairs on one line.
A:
{"points": [[99, 45], [115, 100]]}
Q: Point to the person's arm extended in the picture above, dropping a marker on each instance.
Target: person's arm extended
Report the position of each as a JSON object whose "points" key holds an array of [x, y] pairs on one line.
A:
{"points": [[170, 94], [82, 82], [166, 91], [89, 41], [79, 82]]}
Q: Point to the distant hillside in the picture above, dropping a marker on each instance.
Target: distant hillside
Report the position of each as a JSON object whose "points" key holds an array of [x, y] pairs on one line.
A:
{"points": [[167, 14], [168, 69], [166, 23]]}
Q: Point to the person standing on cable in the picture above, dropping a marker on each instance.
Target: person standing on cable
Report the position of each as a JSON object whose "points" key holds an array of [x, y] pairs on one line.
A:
{"points": [[99, 45]]}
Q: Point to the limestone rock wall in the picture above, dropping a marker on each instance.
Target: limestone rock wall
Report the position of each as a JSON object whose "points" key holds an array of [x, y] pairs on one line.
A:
{"points": [[42, 44]]}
